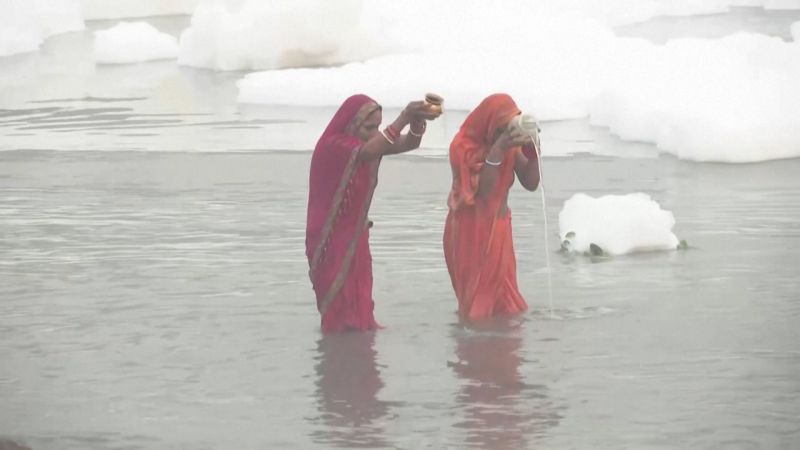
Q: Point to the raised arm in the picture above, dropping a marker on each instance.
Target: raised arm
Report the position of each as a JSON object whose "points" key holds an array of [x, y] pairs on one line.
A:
{"points": [[510, 138], [391, 140], [526, 166]]}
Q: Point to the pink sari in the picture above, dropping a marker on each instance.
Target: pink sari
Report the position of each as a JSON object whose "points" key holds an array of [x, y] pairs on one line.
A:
{"points": [[337, 231]]}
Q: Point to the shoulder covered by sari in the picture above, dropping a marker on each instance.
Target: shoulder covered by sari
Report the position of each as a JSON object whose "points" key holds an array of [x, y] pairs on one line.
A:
{"points": [[472, 143]]}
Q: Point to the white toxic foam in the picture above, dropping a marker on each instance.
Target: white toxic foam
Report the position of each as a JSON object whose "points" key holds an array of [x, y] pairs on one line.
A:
{"points": [[25, 24], [616, 224], [132, 42], [273, 35], [731, 100]]}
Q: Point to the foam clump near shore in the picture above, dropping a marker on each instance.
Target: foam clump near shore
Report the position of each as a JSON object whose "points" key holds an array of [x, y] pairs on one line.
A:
{"points": [[615, 225]]}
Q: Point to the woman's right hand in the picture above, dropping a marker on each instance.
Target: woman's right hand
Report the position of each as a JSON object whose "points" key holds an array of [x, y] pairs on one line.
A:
{"points": [[510, 138]]}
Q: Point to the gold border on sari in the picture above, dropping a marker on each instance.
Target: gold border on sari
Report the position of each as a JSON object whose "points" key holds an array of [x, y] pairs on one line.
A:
{"points": [[363, 224]]}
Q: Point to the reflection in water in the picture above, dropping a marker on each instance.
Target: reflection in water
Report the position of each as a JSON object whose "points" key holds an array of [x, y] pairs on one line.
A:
{"points": [[8, 444], [500, 410], [348, 382]]}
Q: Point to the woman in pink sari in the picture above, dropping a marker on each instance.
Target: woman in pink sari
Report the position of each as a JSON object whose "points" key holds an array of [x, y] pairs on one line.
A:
{"points": [[344, 171]]}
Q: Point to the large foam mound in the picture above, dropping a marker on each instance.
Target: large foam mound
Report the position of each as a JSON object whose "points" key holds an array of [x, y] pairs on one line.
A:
{"points": [[547, 62], [270, 35], [252, 35], [25, 24], [615, 224], [733, 99], [133, 42]]}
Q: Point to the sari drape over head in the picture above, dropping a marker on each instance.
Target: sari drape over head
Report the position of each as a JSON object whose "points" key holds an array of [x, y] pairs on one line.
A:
{"points": [[337, 233], [478, 244]]}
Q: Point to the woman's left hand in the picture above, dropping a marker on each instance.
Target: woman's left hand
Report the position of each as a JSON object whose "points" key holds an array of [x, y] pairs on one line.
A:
{"points": [[419, 110]]}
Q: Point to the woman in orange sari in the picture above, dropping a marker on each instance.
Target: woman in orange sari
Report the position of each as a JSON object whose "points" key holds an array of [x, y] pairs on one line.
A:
{"points": [[344, 171], [485, 156]]}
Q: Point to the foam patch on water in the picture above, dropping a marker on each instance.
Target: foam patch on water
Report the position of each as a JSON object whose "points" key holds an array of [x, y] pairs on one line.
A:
{"points": [[132, 42], [24, 25], [617, 224]]}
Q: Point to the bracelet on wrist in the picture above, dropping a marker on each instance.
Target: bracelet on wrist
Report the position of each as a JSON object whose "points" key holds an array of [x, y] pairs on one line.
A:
{"points": [[391, 133], [386, 136]]}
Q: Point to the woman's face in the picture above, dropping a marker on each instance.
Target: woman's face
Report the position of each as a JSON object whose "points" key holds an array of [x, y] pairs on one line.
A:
{"points": [[369, 127], [497, 133], [501, 129]]}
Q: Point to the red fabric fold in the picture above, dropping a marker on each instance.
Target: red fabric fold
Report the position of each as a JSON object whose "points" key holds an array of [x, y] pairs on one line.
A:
{"points": [[478, 245]]}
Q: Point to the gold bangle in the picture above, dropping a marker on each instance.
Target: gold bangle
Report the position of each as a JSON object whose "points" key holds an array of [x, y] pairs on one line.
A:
{"points": [[386, 137]]}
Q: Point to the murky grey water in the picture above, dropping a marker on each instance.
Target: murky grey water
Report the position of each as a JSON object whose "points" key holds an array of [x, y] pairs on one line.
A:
{"points": [[159, 299]]}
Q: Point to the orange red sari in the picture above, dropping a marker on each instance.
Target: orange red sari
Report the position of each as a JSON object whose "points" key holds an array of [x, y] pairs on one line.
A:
{"points": [[478, 244]]}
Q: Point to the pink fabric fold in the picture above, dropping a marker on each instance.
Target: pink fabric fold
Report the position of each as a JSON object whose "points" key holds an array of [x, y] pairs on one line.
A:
{"points": [[335, 167]]}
